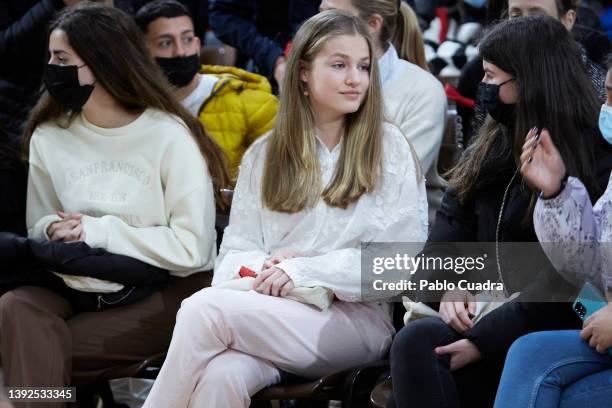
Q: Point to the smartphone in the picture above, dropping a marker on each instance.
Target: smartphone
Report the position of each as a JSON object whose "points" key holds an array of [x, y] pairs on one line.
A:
{"points": [[589, 301]]}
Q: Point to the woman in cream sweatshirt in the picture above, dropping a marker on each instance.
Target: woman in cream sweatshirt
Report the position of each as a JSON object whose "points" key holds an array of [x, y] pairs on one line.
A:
{"points": [[116, 163]]}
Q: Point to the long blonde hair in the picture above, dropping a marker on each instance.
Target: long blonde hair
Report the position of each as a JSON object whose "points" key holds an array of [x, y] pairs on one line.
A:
{"points": [[292, 175], [400, 27]]}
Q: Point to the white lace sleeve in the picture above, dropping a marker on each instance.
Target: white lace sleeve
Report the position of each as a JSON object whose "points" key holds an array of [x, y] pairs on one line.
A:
{"points": [[399, 211]]}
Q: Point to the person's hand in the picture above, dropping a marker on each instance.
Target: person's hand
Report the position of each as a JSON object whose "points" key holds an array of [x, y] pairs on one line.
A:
{"points": [[278, 257], [463, 352], [279, 71], [597, 329], [273, 282], [68, 229], [541, 163], [456, 309]]}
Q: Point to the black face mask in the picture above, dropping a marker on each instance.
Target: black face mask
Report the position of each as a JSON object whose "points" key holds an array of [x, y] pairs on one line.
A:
{"points": [[180, 70], [503, 113], [62, 82]]}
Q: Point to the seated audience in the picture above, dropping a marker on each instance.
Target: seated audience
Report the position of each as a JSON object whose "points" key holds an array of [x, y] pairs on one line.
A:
{"points": [[235, 106], [562, 10], [566, 368], [325, 180], [450, 361], [117, 166]]}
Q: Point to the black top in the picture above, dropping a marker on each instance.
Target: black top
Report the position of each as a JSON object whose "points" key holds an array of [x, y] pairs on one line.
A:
{"points": [[260, 30], [23, 50]]}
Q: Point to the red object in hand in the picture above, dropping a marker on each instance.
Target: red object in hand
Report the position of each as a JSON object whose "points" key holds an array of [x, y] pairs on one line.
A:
{"points": [[244, 272]]}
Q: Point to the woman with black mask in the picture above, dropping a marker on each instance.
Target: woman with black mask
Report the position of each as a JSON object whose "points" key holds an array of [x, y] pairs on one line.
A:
{"points": [[450, 361], [567, 12], [116, 167]]}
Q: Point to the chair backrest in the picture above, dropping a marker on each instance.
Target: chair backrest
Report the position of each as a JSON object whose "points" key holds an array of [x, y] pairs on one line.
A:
{"points": [[452, 143], [218, 55]]}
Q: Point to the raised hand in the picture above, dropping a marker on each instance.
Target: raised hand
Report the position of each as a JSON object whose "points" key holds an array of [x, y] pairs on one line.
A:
{"points": [[541, 164]]}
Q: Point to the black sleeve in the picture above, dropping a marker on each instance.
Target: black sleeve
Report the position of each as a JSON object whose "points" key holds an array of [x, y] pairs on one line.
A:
{"points": [[232, 22], [79, 259], [28, 29], [455, 222]]}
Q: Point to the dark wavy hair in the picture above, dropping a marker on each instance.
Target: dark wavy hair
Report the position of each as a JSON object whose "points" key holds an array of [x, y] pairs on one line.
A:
{"points": [[112, 46], [554, 92]]}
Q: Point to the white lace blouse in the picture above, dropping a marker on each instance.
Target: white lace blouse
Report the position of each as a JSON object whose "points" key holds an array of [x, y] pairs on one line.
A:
{"points": [[577, 236], [328, 238]]}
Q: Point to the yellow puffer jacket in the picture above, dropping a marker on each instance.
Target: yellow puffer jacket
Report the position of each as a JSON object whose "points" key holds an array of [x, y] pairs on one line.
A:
{"points": [[240, 108]]}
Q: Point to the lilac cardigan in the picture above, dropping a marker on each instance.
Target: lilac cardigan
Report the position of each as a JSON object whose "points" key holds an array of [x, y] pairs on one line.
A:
{"points": [[577, 236]]}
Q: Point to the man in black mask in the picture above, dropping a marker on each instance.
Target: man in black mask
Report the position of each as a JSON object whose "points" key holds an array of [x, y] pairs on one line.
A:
{"points": [[235, 106]]}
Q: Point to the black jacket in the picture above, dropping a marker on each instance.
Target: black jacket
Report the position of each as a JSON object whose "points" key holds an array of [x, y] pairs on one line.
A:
{"points": [[29, 262], [13, 185], [259, 30], [542, 288], [23, 50]]}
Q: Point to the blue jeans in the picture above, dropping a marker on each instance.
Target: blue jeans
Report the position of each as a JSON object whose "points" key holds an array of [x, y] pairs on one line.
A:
{"points": [[555, 369]]}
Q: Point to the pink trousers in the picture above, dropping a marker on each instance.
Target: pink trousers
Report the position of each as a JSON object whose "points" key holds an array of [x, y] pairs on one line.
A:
{"points": [[228, 344]]}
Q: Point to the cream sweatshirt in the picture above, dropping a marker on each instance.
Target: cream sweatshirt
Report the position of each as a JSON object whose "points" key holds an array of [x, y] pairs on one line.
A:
{"points": [[144, 190]]}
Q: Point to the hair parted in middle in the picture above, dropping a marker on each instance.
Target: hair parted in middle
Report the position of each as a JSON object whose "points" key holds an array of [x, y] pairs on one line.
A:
{"points": [[292, 176]]}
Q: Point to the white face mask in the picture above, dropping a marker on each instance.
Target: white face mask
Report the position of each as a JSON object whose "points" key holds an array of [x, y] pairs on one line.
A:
{"points": [[605, 122]]}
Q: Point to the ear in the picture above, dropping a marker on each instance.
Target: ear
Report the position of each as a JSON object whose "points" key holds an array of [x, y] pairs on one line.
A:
{"points": [[198, 44], [375, 23], [304, 73], [569, 19]]}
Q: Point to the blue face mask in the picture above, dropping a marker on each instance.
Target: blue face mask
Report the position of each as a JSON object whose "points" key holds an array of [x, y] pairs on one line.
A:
{"points": [[605, 122], [476, 3]]}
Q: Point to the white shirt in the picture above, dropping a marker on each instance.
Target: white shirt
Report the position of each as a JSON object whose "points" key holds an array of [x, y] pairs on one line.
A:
{"points": [[329, 238], [389, 65], [144, 190], [196, 98]]}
